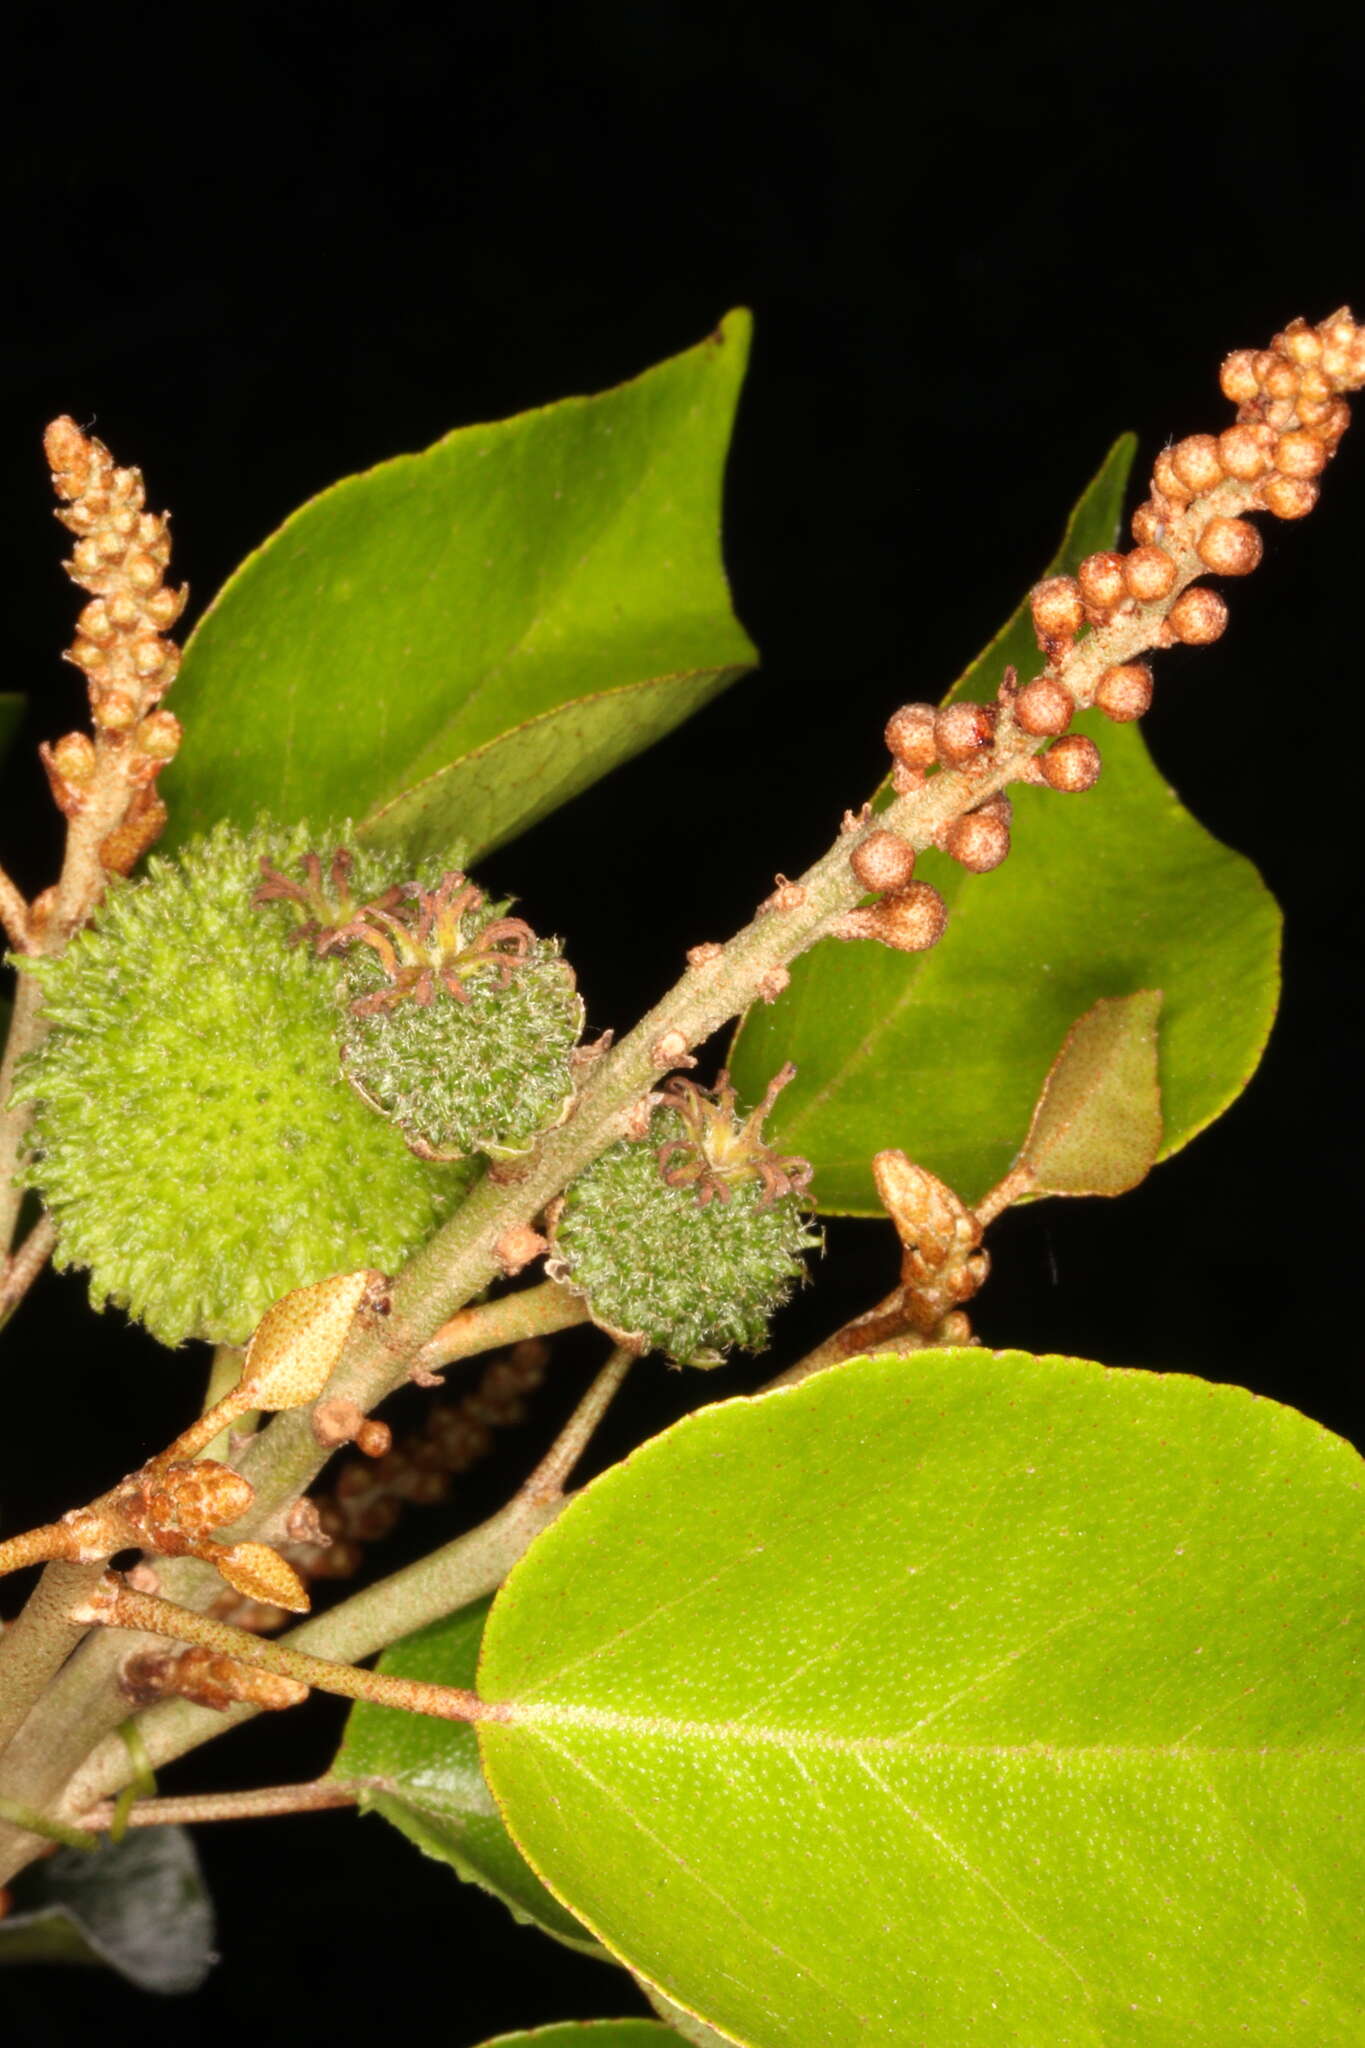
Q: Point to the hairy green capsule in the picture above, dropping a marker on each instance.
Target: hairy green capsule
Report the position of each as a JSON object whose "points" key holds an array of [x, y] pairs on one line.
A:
{"points": [[460, 1023], [688, 1241], [194, 1139]]}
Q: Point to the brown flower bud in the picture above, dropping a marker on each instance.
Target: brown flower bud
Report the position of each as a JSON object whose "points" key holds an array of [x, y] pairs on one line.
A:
{"points": [[374, 1439], [1196, 461], [1289, 497], [1300, 454], [963, 732], [1101, 581], [1230, 547], [979, 841], [115, 710], [1149, 574], [1242, 455], [1300, 343], [910, 735], [883, 862], [1058, 612], [1238, 378], [1148, 524], [1168, 480], [1125, 693], [1198, 616], [1072, 764], [1044, 707], [1281, 380], [911, 921], [73, 757]]}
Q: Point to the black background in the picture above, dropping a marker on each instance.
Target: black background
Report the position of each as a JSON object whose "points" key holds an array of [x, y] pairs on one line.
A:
{"points": [[261, 248]]}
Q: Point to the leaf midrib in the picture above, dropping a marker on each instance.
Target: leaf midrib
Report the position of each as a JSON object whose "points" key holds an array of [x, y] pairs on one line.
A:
{"points": [[547, 1714]]}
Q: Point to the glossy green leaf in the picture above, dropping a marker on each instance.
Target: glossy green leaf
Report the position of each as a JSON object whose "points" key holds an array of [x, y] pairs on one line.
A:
{"points": [[448, 646], [424, 1776], [942, 1054], [958, 1698], [693, 2030], [590, 2034], [138, 1906], [1096, 1127]]}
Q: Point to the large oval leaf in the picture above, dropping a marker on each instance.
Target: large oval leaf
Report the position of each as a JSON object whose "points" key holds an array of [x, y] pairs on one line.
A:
{"points": [[423, 1776], [959, 1698], [457, 641], [591, 2034], [942, 1054]]}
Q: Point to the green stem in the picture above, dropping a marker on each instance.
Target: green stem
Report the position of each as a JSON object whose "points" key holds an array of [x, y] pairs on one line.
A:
{"points": [[16, 1815], [533, 1312], [225, 1371]]}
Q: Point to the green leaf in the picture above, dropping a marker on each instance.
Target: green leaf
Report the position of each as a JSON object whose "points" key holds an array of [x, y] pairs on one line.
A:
{"points": [[957, 1698], [138, 1906], [1096, 1129], [452, 644], [424, 1776], [590, 2034], [942, 1054]]}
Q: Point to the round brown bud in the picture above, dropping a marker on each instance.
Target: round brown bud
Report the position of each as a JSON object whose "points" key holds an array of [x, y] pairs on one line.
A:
{"points": [[998, 806], [883, 861], [1300, 454], [1149, 573], [910, 735], [1147, 523], [1044, 707], [1072, 764], [1198, 616], [1125, 693], [1168, 480], [142, 572], [1315, 388], [1300, 343], [1289, 497], [1197, 463], [979, 841], [912, 921], [962, 733], [1230, 547], [1101, 581], [1281, 380], [1242, 455], [374, 1438], [1058, 613], [1238, 378]]}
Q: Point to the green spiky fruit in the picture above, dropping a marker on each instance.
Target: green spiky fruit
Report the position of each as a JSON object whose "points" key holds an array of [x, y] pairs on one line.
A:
{"points": [[194, 1139], [695, 1262], [460, 1023]]}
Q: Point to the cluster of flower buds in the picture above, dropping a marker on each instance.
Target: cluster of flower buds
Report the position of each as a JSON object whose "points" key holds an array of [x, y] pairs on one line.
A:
{"points": [[120, 557], [1092, 627], [369, 1494], [1291, 415]]}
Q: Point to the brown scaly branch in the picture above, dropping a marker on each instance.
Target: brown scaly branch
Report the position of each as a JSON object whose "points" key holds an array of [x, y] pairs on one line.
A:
{"points": [[952, 768], [105, 784]]}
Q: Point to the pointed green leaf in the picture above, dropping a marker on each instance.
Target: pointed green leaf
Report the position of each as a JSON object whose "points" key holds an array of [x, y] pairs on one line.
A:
{"points": [[455, 642], [590, 2034], [1096, 1129], [424, 1777], [965, 1697], [138, 1906], [942, 1054]]}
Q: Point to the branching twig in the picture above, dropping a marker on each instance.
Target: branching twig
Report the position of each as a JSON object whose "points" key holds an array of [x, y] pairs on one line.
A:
{"points": [[190, 1808], [23, 1269]]}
